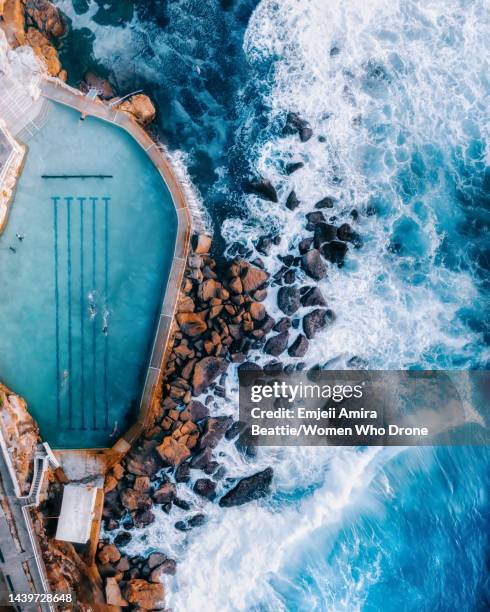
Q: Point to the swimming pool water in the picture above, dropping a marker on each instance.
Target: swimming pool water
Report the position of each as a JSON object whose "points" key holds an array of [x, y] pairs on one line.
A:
{"points": [[80, 293]]}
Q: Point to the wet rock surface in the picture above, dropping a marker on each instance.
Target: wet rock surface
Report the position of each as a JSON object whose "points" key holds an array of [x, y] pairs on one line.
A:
{"points": [[248, 489]]}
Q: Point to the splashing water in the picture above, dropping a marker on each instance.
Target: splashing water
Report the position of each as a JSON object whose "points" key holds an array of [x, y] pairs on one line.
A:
{"points": [[397, 95]]}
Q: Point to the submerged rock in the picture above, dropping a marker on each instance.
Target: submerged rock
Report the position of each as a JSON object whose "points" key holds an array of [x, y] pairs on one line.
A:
{"points": [[327, 202], [292, 201], [292, 167], [248, 489], [262, 188], [294, 124]]}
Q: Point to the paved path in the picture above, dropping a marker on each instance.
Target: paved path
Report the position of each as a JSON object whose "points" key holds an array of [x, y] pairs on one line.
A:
{"points": [[18, 561]]}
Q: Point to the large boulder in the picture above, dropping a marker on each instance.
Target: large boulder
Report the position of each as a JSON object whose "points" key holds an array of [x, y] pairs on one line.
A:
{"points": [[205, 371], [134, 500], [205, 488], [296, 125], [191, 324], [299, 347], [313, 265], [277, 344], [143, 594], [165, 494], [316, 320], [313, 297], [248, 489], [173, 452], [326, 202], [324, 232], [288, 299], [201, 244], [109, 554], [262, 188], [140, 107], [13, 22], [45, 50], [335, 251], [142, 461], [253, 278], [292, 201], [214, 430]]}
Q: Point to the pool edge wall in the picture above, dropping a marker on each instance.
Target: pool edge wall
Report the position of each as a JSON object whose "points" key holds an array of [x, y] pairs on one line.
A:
{"points": [[55, 90]]}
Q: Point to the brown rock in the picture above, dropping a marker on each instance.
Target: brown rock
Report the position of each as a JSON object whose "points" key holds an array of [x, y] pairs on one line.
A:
{"points": [[165, 494], [143, 461], [186, 304], [173, 452], [110, 483], [257, 311], [102, 86], [299, 347], [253, 279], [191, 324], [113, 594], [169, 567], [13, 22], [109, 554], [133, 500], [235, 285], [277, 344], [201, 244], [205, 371], [46, 17], [215, 429], [209, 289], [140, 107], [142, 484], [118, 471], [146, 595], [313, 265]]}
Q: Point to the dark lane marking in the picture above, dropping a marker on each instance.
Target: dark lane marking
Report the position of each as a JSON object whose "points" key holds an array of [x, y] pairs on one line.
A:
{"points": [[106, 299], [82, 318], [68, 201], [76, 176], [55, 201], [94, 330]]}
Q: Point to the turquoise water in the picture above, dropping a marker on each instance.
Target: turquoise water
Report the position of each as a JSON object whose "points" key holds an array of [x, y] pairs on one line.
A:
{"points": [[80, 295]]}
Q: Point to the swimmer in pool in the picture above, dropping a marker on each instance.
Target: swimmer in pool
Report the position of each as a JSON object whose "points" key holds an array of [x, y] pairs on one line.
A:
{"points": [[13, 249], [20, 237]]}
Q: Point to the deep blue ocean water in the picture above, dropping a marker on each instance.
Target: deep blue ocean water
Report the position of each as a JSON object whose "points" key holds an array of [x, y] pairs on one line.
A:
{"points": [[397, 95]]}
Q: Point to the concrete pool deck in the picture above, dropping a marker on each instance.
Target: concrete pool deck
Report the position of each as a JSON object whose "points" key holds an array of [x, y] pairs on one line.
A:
{"points": [[103, 458]]}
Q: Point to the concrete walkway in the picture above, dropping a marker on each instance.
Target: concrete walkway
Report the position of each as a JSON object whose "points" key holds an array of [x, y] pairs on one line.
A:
{"points": [[19, 553]]}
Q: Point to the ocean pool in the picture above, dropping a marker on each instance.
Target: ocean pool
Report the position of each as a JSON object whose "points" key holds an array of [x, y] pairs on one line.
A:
{"points": [[84, 265]]}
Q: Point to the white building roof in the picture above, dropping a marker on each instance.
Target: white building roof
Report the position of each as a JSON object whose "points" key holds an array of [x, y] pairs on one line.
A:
{"points": [[77, 513]]}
